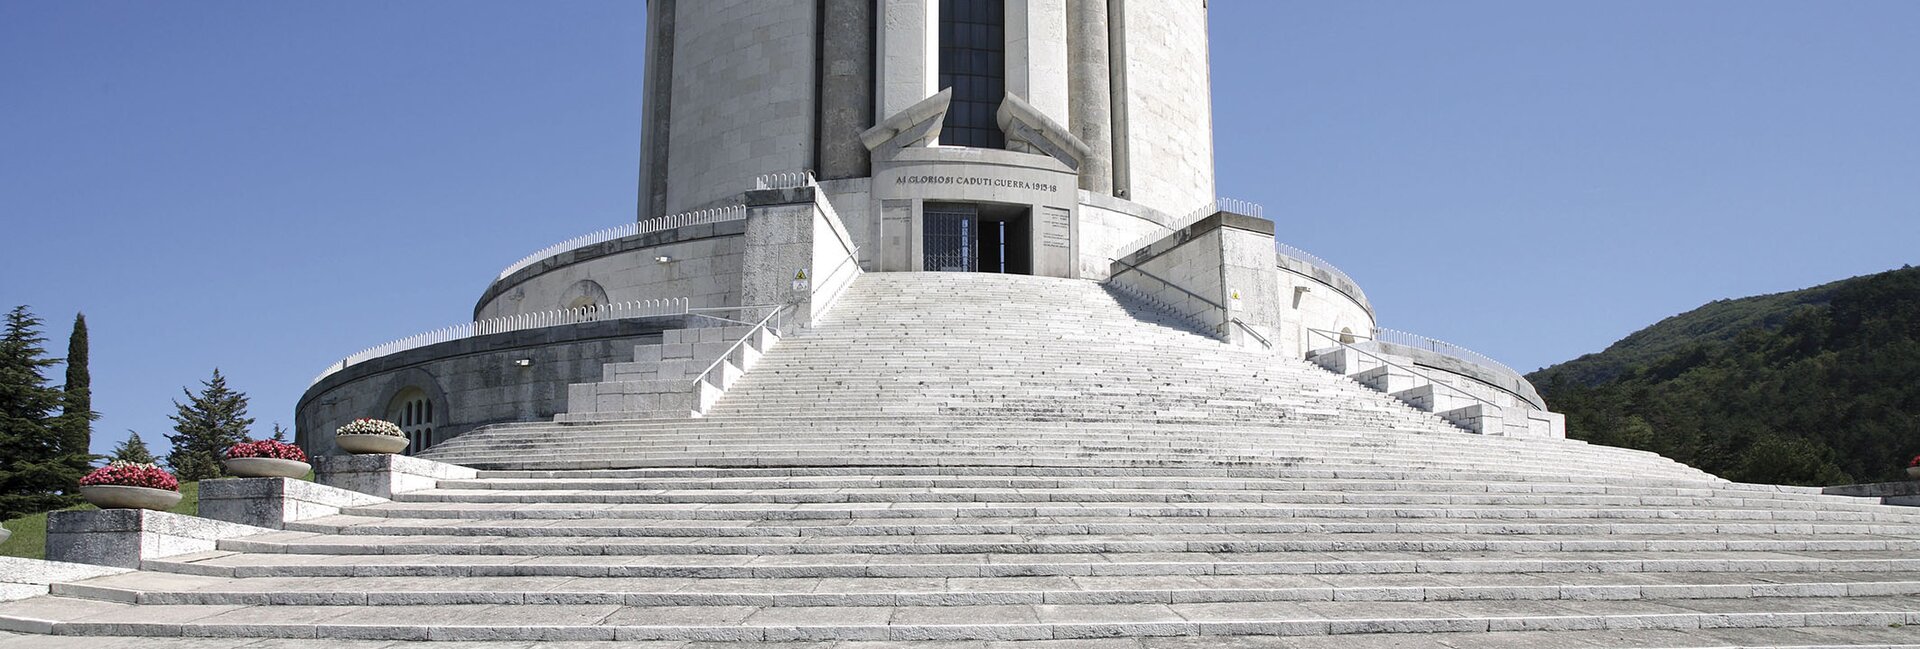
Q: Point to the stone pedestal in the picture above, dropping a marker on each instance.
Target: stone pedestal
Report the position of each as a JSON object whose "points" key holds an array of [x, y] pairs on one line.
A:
{"points": [[384, 475], [123, 537], [274, 502]]}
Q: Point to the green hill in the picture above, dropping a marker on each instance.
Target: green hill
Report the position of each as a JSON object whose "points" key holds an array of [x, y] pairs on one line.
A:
{"points": [[1816, 386], [1717, 321]]}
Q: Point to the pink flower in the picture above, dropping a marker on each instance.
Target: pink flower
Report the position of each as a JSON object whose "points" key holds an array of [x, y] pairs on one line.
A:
{"points": [[128, 474], [267, 448]]}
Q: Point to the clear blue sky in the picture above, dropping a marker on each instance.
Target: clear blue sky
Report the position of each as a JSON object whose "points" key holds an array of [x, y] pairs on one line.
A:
{"points": [[267, 186]]}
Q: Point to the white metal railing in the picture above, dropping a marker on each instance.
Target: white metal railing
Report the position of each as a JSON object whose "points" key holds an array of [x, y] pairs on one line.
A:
{"points": [[1335, 338], [1440, 347], [764, 323], [784, 180], [503, 324], [1218, 205], [1315, 262], [668, 222]]}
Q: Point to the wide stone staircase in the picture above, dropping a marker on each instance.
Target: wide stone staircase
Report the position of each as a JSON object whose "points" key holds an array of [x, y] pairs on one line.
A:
{"points": [[918, 369], [988, 461]]}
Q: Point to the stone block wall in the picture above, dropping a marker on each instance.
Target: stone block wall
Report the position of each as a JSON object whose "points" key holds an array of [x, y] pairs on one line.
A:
{"points": [[1166, 122], [1216, 270], [743, 97], [1106, 224]]}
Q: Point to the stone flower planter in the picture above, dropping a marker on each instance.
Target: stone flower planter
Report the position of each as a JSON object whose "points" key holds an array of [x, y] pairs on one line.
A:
{"points": [[113, 496], [5, 534], [1913, 472], [266, 467], [371, 444]]}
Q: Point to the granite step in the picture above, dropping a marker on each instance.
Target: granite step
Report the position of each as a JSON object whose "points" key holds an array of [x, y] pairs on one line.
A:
{"points": [[183, 589], [1553, 565], [313, 543], [609, 622]]}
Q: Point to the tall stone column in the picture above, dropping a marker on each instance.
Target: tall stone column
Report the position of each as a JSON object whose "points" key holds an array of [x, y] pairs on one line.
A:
{"points": [[1091, 91]]}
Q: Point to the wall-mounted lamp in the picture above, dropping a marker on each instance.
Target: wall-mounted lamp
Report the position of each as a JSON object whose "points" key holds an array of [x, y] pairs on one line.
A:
{"points": [[663, 259], [524, 362], [1302, 289]]}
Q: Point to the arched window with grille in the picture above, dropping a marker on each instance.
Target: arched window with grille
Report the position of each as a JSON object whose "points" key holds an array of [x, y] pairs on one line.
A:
{"points": [[413, 410]]}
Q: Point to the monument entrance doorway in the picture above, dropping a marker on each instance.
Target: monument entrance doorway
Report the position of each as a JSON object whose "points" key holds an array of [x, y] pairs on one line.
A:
{"points": [[977, 238]]}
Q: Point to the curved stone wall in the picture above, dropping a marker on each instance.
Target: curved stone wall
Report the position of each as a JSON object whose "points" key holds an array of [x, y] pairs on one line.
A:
{"points": [[1311, 299], [703, 266], [1107, 224], [475, 381], [1499, 385]]}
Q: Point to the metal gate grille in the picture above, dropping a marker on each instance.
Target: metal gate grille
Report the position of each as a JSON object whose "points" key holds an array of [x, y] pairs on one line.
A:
{"points": [[949, 242]]}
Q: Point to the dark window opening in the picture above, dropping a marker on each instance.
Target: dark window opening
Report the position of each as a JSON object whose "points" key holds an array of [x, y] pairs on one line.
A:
{"points": [[983, 238], [973, 44]]}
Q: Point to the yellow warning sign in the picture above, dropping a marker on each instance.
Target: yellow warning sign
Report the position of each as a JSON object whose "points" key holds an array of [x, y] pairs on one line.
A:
{"points": [[800, 275]]}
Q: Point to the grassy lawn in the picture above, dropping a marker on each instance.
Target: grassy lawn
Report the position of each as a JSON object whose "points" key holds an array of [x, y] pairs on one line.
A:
{"points": [[30, 532]]}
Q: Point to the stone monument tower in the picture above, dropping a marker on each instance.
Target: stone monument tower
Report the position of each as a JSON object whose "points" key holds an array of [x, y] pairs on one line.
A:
{"points": [[790, 147], [1024, 136]]}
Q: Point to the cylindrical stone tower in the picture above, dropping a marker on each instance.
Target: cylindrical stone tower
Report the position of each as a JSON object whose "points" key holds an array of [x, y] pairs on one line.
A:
{"points": [[1039, 134]]}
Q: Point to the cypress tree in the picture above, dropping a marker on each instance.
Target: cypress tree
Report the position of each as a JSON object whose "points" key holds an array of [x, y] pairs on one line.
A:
{"points": [[76, 404], [133, 450], [207, 424], [32, 476]]}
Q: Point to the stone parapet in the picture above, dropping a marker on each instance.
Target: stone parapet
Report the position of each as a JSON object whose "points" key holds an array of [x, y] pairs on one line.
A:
{"points": [[124, 537], [385, 475], [1890, 493], [274, 502]]}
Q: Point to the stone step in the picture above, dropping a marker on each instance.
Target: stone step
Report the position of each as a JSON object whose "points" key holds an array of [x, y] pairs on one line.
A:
{"points": [[312, 543], [1552, 566], [1822, 637], [180, 589], [840, 458], [911, 490], [608, 622], [903, 455], [368, 523]]}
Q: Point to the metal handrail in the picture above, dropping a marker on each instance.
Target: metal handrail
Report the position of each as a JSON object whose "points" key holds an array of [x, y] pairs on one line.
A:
{"points": [[1176, 287], [1440, 347], [1221, 204], [757, 327], [517, 322], [1334, 337], [1256, 335], [668, 222]]}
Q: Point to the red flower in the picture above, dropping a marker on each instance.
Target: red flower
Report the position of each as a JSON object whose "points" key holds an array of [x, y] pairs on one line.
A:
{"points": [[267, 448], [1915, 462], [128, 474]]}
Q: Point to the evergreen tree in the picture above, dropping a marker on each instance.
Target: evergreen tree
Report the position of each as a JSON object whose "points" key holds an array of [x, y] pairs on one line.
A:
{"points": [[207, 424], [32, 476], [76, 404], [279, 434], [133, 450]]}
